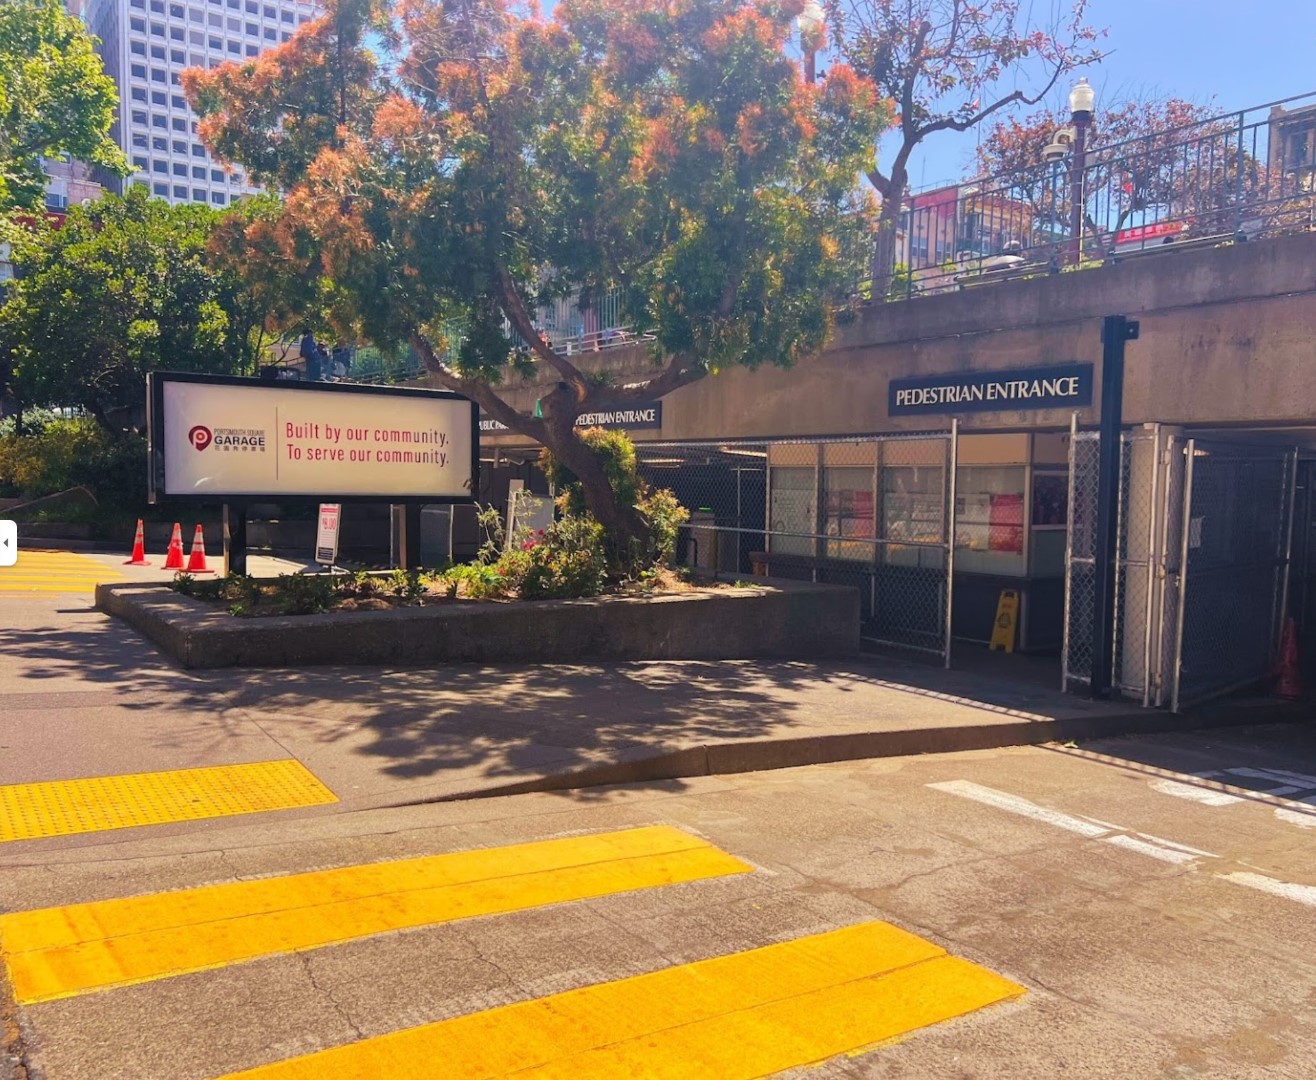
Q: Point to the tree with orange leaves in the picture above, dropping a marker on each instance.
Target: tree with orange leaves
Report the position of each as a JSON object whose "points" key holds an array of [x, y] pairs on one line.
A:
{"points": [[949, 65], [461, 161]]}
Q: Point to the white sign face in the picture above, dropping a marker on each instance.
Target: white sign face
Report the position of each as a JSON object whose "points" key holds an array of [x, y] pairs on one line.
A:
{"points": [[326, 534], [264, 439]]}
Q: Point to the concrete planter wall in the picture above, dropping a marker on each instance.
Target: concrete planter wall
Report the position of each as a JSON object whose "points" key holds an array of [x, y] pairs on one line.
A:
{"points": [[777, 619]]}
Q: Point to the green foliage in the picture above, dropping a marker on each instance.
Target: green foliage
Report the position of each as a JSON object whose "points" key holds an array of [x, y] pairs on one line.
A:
{"points": [[72, 453], [125, 287], [616, 452], [34, 422], [55, 99], [305, 594], [570, 561], [658, 509]]}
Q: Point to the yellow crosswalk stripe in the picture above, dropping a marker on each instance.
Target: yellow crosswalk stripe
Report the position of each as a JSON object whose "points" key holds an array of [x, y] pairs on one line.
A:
{"points": [[735, 1017], [92, 804], [55, 571], [59, 952]]}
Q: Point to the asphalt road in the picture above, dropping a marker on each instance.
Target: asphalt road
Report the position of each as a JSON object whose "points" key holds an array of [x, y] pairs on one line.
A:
{"points": [[1138, 907], [1160, 923]]}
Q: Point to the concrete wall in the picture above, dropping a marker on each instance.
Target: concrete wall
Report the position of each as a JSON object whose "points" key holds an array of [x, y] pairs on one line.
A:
{"points": [[783, 619], [1227, 338]]}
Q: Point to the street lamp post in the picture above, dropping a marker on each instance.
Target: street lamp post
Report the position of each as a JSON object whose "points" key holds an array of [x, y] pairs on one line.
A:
{"points": [[810, 23], [1082, 100]]}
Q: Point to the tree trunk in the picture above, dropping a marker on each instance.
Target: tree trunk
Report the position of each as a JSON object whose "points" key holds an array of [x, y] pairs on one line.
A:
{"points": [[624, 526], [883, 266]]}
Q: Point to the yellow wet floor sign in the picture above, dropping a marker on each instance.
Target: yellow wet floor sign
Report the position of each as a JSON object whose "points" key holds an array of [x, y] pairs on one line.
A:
{"points": [[1007, 620]]}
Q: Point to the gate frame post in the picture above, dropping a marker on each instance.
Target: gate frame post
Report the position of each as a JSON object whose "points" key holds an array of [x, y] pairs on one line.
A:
{"points": [[1116, 332], [952, 466], [1190, 452], [1069, 554]]}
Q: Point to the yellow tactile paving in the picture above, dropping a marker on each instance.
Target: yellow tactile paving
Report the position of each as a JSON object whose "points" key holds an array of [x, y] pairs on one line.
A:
{"points": [[55, 571], [63, 807], [60, 952], [734, 1017]]}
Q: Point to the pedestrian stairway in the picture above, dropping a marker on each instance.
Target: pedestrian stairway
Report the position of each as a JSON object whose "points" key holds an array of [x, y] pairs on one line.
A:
{"points": [[55, 571], [742, 1014]]}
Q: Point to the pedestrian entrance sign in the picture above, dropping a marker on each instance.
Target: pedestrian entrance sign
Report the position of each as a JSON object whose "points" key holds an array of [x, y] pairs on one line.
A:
{"points": [[326, 534], [1007, 618]]}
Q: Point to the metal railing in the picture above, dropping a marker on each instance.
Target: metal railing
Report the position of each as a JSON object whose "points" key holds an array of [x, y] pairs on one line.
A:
{"points": [[872, 513], [569, 329], [1233, 177]]}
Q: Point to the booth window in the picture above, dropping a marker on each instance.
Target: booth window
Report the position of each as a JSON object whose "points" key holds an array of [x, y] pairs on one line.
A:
{"points": [[989, 519], [912, 503], [849, 512], [792, 510], [1050, 518]]}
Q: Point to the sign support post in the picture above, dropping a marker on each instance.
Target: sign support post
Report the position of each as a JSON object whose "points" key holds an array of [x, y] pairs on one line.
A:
{"points": [[235, 538]]}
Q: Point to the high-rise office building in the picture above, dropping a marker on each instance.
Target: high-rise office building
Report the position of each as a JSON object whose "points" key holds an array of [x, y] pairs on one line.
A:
{"points": [[145, 46]]}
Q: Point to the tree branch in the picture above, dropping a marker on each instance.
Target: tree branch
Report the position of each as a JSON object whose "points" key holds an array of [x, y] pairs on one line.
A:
{"points": [[881, 183], [951, 124], [513, 305], [681, 370], [477, 390]]}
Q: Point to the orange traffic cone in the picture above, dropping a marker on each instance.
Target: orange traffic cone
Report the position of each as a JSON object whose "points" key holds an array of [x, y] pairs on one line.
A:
{"points": [[1289, 684], [139, 547], [196, 559], [174, 557]]}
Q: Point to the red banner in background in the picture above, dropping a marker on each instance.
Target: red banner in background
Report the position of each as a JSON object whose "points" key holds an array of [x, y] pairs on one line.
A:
{"points": [[1006, 525]]}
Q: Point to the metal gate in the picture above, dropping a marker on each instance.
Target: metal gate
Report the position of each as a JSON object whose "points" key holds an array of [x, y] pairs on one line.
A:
{"points": [[1201, 564], [875, 513], [1236, 541], [1146, 571]]}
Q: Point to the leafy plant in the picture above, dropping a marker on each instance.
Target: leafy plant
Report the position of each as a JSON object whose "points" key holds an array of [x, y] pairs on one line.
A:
{"points": [[305, 594], [660, 514], [571, 561]]}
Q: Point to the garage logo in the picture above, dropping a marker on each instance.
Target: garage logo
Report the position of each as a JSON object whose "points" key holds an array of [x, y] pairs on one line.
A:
{"points": [[200, 437]]}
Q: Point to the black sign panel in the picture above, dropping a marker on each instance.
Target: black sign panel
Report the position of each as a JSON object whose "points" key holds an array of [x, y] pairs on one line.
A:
{"points": [[648, 414], [1060, 386]]}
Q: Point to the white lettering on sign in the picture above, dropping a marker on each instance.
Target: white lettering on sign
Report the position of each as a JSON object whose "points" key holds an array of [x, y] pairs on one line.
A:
{"points": [[1009, 390], [642, 416]]}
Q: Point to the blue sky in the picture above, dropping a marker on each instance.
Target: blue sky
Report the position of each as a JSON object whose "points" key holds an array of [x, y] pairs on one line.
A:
{"points": [[1228, 54]]}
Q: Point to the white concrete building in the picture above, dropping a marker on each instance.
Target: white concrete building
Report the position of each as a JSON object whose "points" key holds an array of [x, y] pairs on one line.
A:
{"points": [[146, 45]]}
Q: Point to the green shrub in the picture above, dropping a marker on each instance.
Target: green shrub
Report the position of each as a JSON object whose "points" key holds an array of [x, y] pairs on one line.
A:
{"points": [[569, 561], [69, 453], [665, 517], [305, 594], [617, 453], [662, 514]]}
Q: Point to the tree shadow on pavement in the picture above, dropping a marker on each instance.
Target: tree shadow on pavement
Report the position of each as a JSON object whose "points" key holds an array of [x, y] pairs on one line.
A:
{"points": [[466, 727]]}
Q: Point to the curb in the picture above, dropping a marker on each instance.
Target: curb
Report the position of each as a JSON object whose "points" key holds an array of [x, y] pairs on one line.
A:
{"points": [[725, 759]]}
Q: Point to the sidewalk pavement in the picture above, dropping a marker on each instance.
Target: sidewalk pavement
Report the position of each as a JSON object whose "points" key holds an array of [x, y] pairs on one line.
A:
{"points": [[84, 695]]}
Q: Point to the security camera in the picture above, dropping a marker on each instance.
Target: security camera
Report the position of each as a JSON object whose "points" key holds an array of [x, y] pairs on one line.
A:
{"points": [[1060, 144]]}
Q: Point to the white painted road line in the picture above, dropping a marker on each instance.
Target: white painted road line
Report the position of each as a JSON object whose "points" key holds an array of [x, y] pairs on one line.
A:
{"points": [[1144, 844], [1144, 847], [1154, 847], [1197, 794], [1302, 894], [1290, 783], [966, 789]]}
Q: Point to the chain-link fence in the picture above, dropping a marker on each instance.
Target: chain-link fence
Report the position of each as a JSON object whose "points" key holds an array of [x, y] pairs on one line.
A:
{"points": [[872, 513], [1080, 560], [1235, 545]]}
